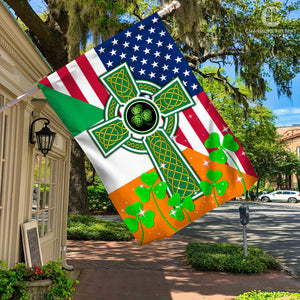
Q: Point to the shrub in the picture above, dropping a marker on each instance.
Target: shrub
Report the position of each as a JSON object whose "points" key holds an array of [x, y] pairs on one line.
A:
{"points": [[228, 258], [98, 200], [259, 295], [13, 281], [90, 228]]}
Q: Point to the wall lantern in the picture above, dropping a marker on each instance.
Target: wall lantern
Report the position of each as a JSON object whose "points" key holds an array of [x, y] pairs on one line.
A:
{"points": [[44, 137]]}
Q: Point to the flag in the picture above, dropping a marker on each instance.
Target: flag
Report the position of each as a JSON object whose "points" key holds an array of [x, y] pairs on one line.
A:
{"points": [[162, 151]]}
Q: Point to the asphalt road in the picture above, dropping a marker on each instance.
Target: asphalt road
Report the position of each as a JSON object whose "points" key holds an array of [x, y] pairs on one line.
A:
{"points": [[273, 227]]}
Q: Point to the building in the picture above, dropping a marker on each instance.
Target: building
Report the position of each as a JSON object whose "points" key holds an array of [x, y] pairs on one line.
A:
{"points": [[32, 186], [291, 136]]}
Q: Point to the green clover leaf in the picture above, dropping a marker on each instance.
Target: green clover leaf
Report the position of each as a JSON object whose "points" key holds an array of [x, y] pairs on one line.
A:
{"points": [[147, 115], [160, 190], [174, 200], [206, 187], [180, 207], [177, 213], [221, 187], [137, 109], [137, 121], [134, 209], [229, 143], [147, 218], [132, 224], [149, 178], [218, 155], [144, 192], [188, 203], [213, 141], [214, 176]]}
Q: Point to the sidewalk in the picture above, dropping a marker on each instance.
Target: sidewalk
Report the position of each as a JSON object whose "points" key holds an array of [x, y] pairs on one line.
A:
{"points": [[157, 271]]}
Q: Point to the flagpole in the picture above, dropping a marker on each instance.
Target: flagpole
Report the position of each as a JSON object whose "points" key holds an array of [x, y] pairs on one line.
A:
{"points": [[168, 8], [18, 99]]}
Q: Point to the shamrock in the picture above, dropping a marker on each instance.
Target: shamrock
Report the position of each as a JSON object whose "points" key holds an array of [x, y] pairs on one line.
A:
{"points": [[180, 207], [141, 116], [220, 186], [219, 155], [144, 192], [141, 218]]}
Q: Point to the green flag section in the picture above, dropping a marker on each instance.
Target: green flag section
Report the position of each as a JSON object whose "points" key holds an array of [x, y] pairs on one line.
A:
{"points": [[75, 114]]}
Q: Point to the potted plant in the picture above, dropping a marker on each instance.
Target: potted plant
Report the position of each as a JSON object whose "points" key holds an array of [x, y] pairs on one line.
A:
{"points": [[38, 282]]}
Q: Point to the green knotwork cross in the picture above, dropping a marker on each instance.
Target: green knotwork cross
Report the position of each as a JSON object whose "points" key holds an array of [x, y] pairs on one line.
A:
{"points": [[138, 119]]}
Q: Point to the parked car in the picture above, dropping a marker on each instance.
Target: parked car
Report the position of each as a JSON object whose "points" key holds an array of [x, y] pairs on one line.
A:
{"points": [[281, 196]]}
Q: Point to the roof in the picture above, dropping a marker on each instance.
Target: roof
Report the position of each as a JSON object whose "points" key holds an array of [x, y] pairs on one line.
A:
{"points": [[27, 36]]}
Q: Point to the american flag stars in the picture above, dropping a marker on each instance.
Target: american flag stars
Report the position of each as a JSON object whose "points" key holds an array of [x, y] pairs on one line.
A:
{"points": [[150, 53]]}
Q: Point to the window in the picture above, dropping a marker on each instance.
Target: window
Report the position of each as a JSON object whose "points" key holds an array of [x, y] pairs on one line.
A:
{"points": [[44, 187], [286, 193], [298, 151]]}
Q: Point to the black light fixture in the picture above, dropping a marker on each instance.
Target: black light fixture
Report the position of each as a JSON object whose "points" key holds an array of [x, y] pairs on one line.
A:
{"points": [[44, 137]]}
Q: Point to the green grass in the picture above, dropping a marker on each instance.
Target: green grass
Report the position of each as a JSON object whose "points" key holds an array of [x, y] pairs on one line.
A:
{"points": [[259, 295], [228, 258], [90, 228]]}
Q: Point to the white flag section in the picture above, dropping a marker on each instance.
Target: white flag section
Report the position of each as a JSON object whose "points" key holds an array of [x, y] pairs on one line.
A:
{"points": [[161, 149]]}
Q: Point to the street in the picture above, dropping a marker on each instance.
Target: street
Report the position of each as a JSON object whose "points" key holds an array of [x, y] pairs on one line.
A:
{"points": [[274, 228]]}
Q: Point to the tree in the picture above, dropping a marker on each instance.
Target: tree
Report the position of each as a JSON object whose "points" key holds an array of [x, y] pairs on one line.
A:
{"points": [[285, 165], [239, 33]]}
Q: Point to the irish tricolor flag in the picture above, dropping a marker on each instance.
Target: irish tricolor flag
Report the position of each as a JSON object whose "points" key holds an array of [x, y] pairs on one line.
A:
{"points": [[161, 149]]}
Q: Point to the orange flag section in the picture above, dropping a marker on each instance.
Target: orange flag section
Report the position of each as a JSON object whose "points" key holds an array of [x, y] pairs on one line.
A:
{"points": [[163, 224]]}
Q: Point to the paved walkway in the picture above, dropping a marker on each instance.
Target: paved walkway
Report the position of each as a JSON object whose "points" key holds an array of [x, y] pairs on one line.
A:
{"points": [[157, 271]]}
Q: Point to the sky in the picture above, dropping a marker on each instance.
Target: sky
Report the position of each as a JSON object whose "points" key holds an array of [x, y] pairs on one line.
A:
{"points": [[286, 110]]}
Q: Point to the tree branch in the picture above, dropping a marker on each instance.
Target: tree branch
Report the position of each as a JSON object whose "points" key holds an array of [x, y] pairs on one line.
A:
{"points": [[50, 37], [239, 96], [204, 58]]}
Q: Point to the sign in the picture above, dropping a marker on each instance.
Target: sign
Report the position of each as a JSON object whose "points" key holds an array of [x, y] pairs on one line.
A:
{"points": [[31, 244]]}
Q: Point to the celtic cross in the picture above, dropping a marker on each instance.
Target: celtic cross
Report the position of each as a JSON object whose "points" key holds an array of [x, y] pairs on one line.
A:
{"points": [[142, 117]]}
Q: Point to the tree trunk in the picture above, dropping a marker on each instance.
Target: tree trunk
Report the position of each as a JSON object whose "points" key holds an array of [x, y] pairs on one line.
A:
{"points": [[257, 186], [78, 202]]}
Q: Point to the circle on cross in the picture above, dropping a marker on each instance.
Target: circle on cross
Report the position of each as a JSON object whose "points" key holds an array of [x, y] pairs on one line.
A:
{"points": [[141, 116]]}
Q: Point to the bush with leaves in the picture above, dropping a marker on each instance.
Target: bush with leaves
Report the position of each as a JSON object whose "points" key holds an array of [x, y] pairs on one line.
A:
{"points": [[13, 281], [260, 295], [228, 258], [91, 228], [98, 200]]}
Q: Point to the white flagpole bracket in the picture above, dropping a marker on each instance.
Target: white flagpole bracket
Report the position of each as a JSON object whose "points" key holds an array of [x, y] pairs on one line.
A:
{"points": [[168, 8], [18, 99]]}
